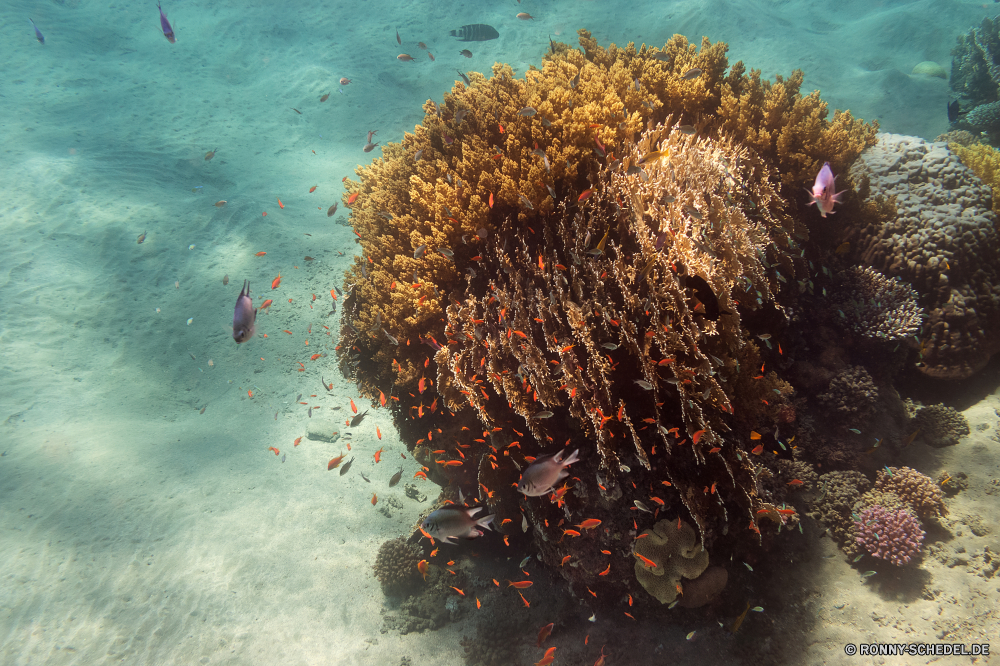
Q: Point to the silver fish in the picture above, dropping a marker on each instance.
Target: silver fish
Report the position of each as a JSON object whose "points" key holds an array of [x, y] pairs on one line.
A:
{"points": [[310, 412], [543, 415], [369, 147], [464, 77], [367, 480], [447, 251], [541, 476], [643, 384], [452, 522], [245, 315], [419, 252], [390, 337], [347, 466], [396, 477], [527, 111], [609, 345], [642, 507], [460, 115], [686, 129], [693, 73], [416, 157]]}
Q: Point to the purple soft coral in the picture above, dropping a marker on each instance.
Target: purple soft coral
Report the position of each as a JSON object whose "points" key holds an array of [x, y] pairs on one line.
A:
{"points": [[890, 535]]}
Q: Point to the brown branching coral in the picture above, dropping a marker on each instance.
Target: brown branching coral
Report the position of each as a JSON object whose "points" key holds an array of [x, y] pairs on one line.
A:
{"points": [[572, 255]]}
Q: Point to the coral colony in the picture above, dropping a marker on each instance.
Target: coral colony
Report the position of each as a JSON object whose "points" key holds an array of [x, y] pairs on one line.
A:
{"points": [[612, 255], [894, 536]]}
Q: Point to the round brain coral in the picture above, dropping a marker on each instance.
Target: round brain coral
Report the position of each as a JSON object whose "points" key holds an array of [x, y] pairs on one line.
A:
{"points": [[894, 536], [675, 550], [396, 566], [944, 242]]}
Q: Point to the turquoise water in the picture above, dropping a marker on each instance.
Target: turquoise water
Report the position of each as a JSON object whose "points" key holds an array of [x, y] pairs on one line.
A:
{"points": [[138, 527]]}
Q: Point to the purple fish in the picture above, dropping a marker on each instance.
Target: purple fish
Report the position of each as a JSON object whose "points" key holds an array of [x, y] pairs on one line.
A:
{"points": [[823, 191], [38, 33], [168, 32], [245, 316], [542, 475]]}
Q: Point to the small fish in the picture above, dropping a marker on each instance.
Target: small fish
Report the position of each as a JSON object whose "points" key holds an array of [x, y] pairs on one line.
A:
{"points": [[374, 499], [323, 99], [367, 480], [856, 559], [757, 609], [749, 568], [359, 418], [642, 507], [691, 635], [41, 38], [527, 111], [693, 73], [460, 115], [331, 210], [868, 574], [542, 475], [422, 568], [465, 78], [543, 415], [244, 316], [398, 40], [465, 52], [686, 129], [589, 524], [298, 112], [396, 477], [643, 384], [524, 16], [210, 154], [404, 57], [344, 80], [168, 32], [476, 32], [347, 466], [609, 345], [823, 194], [141, 238], [334, 462], [544, 633], [416, 156], [452, 522], [225, 279], [419, 252]]}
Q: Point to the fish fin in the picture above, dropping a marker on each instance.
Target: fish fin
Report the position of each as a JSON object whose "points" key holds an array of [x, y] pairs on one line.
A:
{"points": [[473, 511], [485, 520], [573, 457]]}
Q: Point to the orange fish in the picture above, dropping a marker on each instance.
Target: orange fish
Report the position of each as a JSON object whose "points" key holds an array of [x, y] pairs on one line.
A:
{"points": [[381, 398], [314, 357], [334, 462], [589, 524], [280, 205], [606, 571], [757, 450], [276, 281], [422, 568], [600, 660], [548, 658], [526, 604], [271, 448], [351, 199], [260, 254], [457, 590], [374, 499], [452, 463], [353, 408], [754, 434], [572, 533], [585, 195], [378, 432], [520, 584], [296, 442], [543, 633], [313, 189], [795, 482], [378, 455], [287, 331], [645, 560], [565, 560], [422, 385], [491, 200], [696, 436]]}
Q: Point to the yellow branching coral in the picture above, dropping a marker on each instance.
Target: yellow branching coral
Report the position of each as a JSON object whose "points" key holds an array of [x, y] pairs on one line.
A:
{"points": [[984, 160], [568, 254]]}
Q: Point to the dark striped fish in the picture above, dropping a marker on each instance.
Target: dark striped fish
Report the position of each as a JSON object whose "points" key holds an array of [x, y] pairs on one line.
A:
{"points": [[477, 32]]}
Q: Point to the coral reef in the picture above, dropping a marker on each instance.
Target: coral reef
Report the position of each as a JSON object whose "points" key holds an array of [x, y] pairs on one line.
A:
{"points": [[396, 566], [585, 257], [917, 490], [874, 306], [961, 138], [852, 393], [940, 425], [674, 549], [894, 536], [944, 242], [975, 67], [984, 160]]}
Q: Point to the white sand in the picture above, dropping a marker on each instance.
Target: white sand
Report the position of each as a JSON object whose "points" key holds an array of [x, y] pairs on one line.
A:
{"points": [[134, 529]]}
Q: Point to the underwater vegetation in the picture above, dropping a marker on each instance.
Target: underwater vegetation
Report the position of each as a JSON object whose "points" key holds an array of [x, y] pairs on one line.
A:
{"points": [[613, 254]]}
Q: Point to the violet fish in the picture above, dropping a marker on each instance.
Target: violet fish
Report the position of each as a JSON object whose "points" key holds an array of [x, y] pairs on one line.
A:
{"points": [[451, 522], [823, 191], [168, 32], [542, 475], [245, 315]]}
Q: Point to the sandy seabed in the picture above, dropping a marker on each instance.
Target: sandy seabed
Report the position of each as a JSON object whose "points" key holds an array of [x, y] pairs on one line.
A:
{"points": [[138, 529]]}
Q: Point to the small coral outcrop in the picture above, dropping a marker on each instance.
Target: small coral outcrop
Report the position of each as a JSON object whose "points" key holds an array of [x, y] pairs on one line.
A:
{"points": [[943, 242], [852, 393], [674, 548], [396, 566], [894, 536], [877, 307], [975, 75], [940, 425], [917, 490]]}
